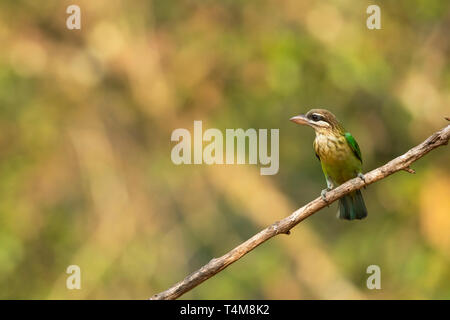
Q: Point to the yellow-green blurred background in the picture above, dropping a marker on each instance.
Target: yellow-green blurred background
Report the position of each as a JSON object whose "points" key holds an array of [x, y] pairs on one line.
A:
{"points": [[86, 117]]}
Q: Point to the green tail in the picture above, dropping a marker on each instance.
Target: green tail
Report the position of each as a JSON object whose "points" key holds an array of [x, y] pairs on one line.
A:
{"points": [[352, 206]]}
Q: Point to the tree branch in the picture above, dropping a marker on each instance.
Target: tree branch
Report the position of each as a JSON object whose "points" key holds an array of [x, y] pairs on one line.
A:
{"points": [[283, 226]]}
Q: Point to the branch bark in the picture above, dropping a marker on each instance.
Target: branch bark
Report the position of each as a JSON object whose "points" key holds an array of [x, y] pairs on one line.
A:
{"points": [[285, 225]]}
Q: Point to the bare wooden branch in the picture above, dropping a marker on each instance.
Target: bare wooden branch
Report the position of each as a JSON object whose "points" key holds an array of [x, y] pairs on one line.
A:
{"points": [[283, 226]]}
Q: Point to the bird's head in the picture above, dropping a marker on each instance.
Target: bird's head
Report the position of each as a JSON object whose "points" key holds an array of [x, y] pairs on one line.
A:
{"points": [[321, 120]]}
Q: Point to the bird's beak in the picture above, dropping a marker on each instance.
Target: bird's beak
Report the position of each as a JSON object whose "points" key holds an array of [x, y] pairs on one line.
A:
{"points": [[300, 119]]}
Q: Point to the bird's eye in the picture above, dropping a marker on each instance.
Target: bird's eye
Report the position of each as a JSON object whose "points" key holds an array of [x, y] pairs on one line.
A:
{"points": [[315, 117]]}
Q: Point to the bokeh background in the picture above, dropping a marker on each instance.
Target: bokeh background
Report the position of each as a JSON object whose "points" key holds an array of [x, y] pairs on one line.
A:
{"points": [[86, 118]]}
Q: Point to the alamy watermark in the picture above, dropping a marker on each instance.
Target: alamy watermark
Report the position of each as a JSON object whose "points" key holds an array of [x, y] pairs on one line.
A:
{"points": [[74, 280], [374, 20], [74, 20], [234, 150], [374, 281]]}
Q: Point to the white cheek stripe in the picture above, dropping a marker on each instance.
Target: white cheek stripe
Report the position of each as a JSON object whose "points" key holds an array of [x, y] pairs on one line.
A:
{"points": [[323, 123]]}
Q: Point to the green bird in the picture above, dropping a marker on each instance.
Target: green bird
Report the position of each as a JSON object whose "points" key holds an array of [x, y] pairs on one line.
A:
{"points": [[339, 156]]}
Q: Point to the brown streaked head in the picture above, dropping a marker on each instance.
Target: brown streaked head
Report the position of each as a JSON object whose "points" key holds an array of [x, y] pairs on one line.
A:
{"points": [[319, 119]]}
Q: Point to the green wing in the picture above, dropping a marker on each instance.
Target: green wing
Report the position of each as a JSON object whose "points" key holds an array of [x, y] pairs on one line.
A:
{"points": [[353, 145]]}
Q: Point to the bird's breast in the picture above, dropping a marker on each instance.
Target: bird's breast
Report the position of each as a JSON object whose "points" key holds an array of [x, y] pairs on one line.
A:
{"points": [[331, 148], [337, 159]]}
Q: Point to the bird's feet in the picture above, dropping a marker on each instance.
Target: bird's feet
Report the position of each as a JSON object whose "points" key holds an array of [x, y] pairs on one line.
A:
{"points": [[361, 176], [323, 194]]}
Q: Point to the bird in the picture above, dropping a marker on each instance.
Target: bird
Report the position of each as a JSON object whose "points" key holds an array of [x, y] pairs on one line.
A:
{"points": [[340, 158]]}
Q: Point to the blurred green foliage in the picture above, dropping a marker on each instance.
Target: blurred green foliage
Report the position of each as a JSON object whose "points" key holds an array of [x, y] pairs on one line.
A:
{"points": [[85, 171]]}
